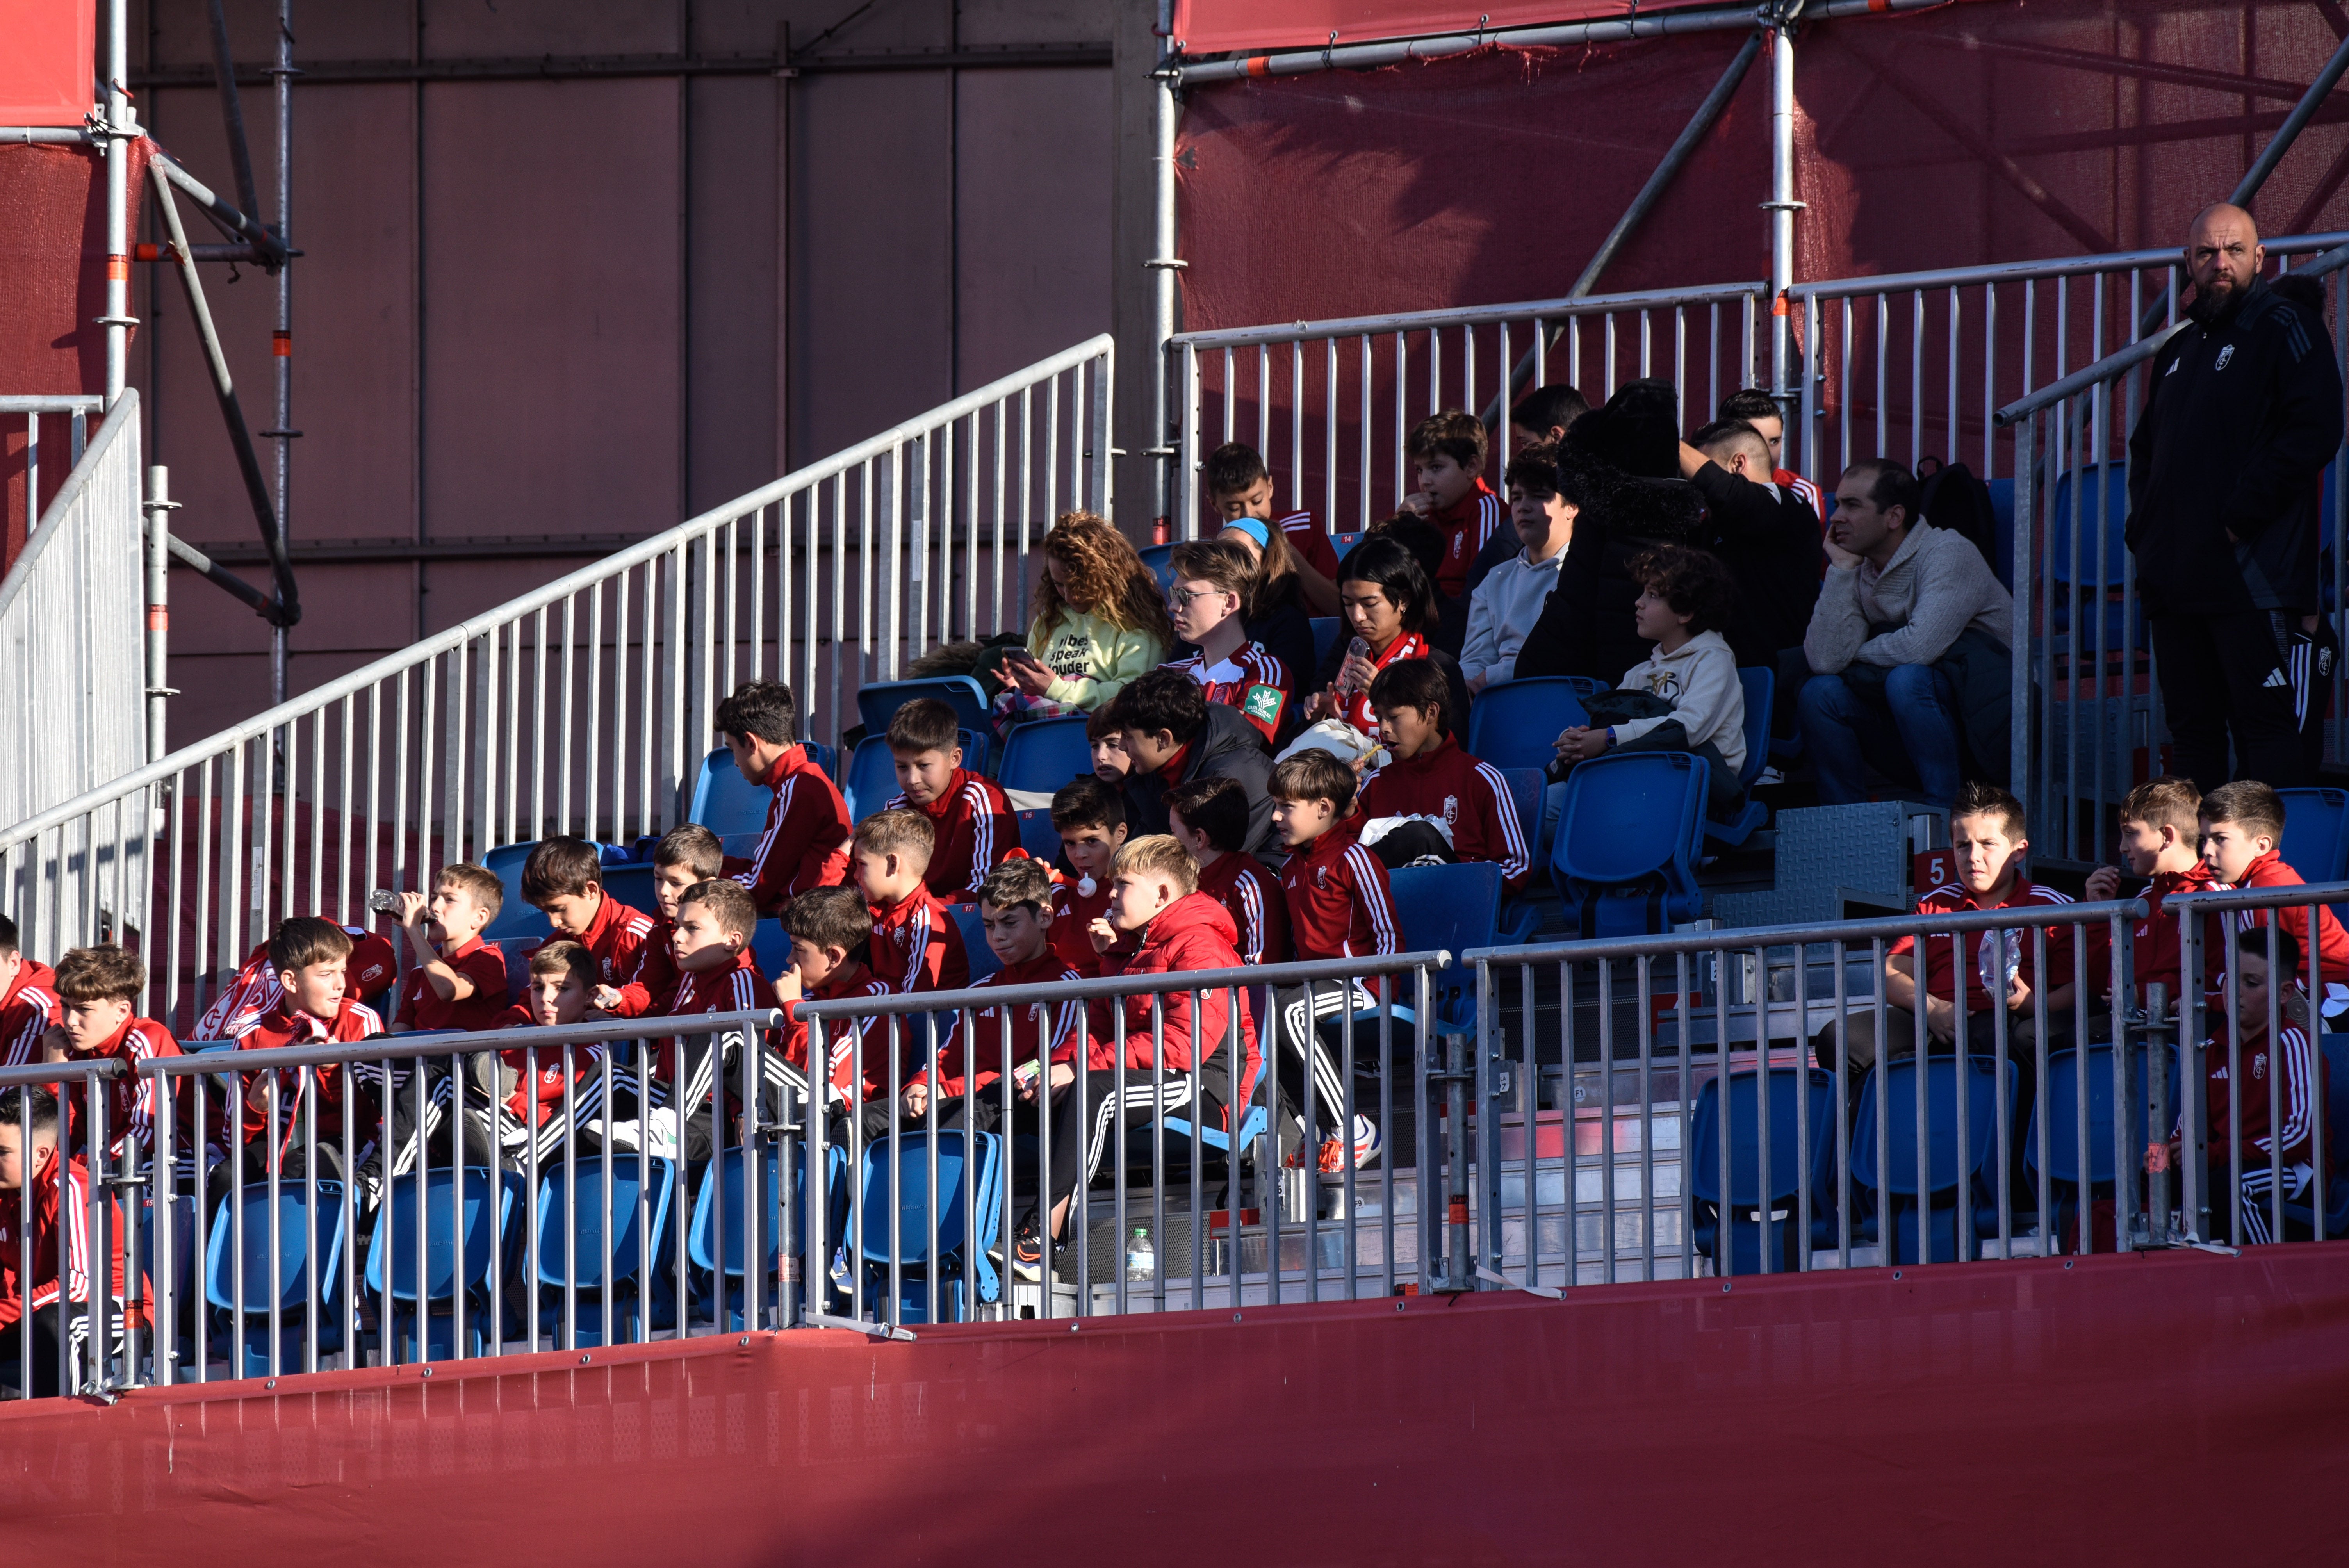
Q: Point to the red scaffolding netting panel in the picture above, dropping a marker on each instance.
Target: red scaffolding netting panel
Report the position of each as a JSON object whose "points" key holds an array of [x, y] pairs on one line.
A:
{"points": [[46, 68], [1216, 26]]}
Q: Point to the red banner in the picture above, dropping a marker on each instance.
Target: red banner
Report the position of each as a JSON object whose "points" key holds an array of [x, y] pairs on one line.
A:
{"points": [[1908, 1416], [46, 75], [1216, 26]]}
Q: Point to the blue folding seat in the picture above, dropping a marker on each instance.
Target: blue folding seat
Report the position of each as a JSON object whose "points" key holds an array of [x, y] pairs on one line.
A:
{"points": [[1750, 1209], [302, 1236], [1516, 723], [983, 961], [1036, 834], [2069, 1167], [1343, 542], [772, 946], [1957, 1181], [1587, 685], [1325, 637], [584, 1230], [2336, 1126], [1761, 686], [517, 917], [723, 801], [1160, 559], [2077, 506], [2316, 833], [459, 1252], [1625, 857], [1456, 909], [1527, 786], [876, 703], [1045, 753], [873, 772], [714, 1241], [969, 1220]]}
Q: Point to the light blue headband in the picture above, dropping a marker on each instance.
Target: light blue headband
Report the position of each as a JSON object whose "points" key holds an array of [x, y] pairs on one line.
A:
{"points": [[1253, 529]]}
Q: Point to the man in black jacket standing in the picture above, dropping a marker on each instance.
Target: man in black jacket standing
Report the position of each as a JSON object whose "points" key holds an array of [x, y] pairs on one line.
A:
{"points": [[2244, 411]]}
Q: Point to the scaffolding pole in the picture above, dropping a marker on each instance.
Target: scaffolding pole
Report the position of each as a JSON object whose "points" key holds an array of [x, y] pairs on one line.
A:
{"points": [[117, 320], [281, 341], [1164, 266], [1782, 205]]}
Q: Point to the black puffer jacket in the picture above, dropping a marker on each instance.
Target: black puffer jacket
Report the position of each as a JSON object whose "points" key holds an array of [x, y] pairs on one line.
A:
{"points": [[2243, 415], [1226, 747]]}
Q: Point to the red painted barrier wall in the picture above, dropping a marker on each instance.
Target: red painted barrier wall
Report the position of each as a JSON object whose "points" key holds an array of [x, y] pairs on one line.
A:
{"points": [[2166, 1408]]}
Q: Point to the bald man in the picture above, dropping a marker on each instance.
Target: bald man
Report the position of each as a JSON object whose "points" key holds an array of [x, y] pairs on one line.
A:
{"points": [[2243, 412]]}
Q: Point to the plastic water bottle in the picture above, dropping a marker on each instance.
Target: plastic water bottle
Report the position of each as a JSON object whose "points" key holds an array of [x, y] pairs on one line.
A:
{"points": [[1141, 1257], [1357, 649], [383, 900], [1998, 979]]}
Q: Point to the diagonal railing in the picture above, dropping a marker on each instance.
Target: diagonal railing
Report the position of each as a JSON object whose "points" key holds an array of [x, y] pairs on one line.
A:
{"points": [[580, 708]]}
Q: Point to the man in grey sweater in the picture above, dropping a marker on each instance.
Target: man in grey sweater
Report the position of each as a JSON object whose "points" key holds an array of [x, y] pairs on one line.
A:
{"points": [[1899, 596]]}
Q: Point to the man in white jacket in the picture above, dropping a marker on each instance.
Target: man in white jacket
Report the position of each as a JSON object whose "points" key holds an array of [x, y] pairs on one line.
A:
{"points": [[1508, 603], [1899, 594]]}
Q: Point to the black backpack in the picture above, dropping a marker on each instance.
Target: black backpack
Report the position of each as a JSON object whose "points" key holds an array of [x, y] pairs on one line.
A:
{"points": [[1955, 499]]}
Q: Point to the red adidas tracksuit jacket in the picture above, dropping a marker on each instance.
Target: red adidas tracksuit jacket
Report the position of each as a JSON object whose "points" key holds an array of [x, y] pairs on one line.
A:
{"points": [[1468, 797], [975, 832]]}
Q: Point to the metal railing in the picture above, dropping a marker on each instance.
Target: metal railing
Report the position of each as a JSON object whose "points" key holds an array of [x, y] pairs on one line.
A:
{"points": [[580, 707], [68, 1226], [58, 449], [72, 627], [1329, 404], [2086, 709]]}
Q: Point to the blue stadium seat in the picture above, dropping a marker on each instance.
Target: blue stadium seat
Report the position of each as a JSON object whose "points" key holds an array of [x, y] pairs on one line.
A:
{"points": [[1625, 857], [451, 1265], [969, 1218], [1760, 687], [2336, 1126], [824, 757], [1516, 724], [1455, 908], [632, 885], [2060, 1093], [517, 951], [655, 1180], [1526, 788], [876, 703], [2316, 833], [2066, 513], [1036, 834], [713, 1243], [1253, 1125], [723, 801], [182, 1275], [1159, 557], [516, 916], [1744, 1198], [772, 946], [1343, 542], [1954, 1179], [2001, 506], [301, 1237], [983, 961], [1045, 753], [1587, 685], [1325, 637], [873, 772]]}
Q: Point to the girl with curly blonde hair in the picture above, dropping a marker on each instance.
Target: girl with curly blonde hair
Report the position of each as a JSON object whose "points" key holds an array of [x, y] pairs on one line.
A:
{"points": [[1100, 618]]}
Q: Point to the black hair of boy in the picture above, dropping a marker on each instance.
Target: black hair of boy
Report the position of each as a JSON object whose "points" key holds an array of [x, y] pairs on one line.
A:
{"points": [[1552, 407], [1416, 684], [1747, 404], [1535, 469], [561, 868], [1018, 883], [764, 709], [301, 940], [9, 935], [1233, 468], [28, 1108], [1162, 699], [1216, 809], [2251, 805], [1088, 802], [2255, 942], [1314, 775], [1710, 436], [1454, 433], [1981, 798], [1692, 581], [830, 917], [692, 846], [1426, 541], [924, 724], [1388, 563], [104, 972]]}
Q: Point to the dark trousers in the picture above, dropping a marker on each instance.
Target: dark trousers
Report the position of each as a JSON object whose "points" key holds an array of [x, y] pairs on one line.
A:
{"points": [[2245, 677], [44, 1326], [1086, 1117]]}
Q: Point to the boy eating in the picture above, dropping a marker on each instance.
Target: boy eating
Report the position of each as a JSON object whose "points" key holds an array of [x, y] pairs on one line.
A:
{"points": [[1988, 845], [915, 945], [1209, 818], [807, 820], [1447, 452], [686, 854], [459, 981], [1090, 816], [1154, 903], [971, 824], [98, 1001], [1338, 907], [2242, 824], [1427, 774], [563, 880], [2160, 834]]}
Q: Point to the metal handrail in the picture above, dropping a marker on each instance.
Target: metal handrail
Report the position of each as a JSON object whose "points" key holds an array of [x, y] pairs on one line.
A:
{"points": [[2007, 918], [2053, 267], [422, 652], [1409, 321], [20, 572], [2145, 348], [39, 1073], [1244, 978], [418, 1044]]}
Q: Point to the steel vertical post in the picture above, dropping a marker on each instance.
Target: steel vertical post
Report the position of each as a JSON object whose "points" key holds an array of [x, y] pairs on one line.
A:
{"points": [[281, 341], [159, 507], [1782, 205], [117, 320], [1163, 264]]}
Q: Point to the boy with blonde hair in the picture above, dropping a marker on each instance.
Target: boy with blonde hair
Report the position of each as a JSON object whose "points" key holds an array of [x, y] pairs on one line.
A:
{"points": [[915, 945], [2159, 840]]}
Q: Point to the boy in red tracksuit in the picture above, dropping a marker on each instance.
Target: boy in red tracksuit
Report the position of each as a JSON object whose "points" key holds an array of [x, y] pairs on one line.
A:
{"points": [[972, 829], [1016, 906], [2159, 839], [28, 1000], [459, 981], [515, 1104], [1430, 776], [2291, 1068], [832, 933], [309, 958], [806, 836], [1179, 931], [254, 995], [1239, 486], [686, 854], [2242, 824], [1090, 816], [1338, 907], [97, 995], [1447, 451], [44, 1201], [563, 880], [915, 945], [1208, 817], [717, 973]]}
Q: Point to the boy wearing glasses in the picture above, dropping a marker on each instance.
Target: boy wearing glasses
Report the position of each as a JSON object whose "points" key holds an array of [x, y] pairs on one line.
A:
{"points": [[1211, 586]]}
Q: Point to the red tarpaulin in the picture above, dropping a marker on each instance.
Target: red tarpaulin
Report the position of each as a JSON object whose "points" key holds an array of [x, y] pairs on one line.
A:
{"points": [[46, 52], [1216, 26]]}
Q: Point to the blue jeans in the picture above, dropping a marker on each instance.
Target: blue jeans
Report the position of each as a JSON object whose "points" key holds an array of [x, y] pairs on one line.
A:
{"points": [[1910, 734]]}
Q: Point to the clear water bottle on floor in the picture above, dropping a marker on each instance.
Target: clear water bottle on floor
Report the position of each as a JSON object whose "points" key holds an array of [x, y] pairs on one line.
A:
{"points": [[1141, 1257]]}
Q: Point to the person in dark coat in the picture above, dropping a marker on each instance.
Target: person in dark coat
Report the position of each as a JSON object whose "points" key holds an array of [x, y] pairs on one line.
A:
{"points": [[2243, 411], [1173, 735]]}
